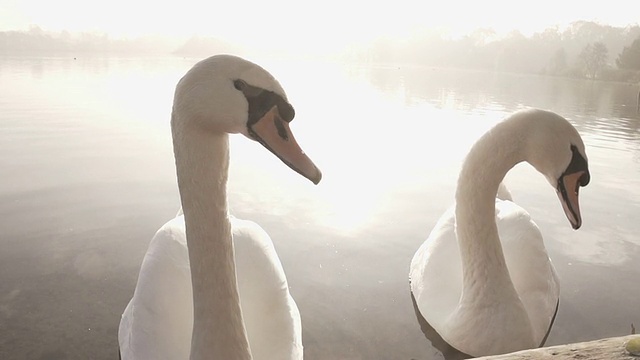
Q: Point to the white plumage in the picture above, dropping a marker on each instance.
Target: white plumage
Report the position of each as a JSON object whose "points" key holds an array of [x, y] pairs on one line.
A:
{"points": [[212, 286], [483, 279]]}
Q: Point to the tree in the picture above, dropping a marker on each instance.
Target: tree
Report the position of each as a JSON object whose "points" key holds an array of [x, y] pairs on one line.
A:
{"points": [[558, 63], [593, 58], [629, 58]]}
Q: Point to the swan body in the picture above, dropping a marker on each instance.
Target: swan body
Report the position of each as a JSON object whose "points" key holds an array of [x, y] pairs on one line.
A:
{"points": [[162, 307], [210, 285], [483, 279]]}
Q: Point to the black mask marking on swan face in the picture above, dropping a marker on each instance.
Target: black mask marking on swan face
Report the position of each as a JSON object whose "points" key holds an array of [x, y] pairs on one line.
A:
{"points": [[569, 183], [269, 115], [261, 101], [578, 163]]}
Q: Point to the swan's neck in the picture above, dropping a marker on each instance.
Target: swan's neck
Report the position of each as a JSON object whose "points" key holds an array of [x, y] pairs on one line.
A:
{"points": [[485, 274], [202, 162]]}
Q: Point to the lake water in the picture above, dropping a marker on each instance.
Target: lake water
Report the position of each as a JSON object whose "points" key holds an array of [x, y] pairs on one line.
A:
{"points": [[87, 177]]}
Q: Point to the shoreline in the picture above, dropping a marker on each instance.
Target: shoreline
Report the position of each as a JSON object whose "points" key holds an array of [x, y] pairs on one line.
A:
{"points": [[602, 349]]}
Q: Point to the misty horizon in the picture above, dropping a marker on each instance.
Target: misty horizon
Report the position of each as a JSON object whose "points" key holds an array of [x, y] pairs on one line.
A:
{"points": [[483, 33], [553, 51]]}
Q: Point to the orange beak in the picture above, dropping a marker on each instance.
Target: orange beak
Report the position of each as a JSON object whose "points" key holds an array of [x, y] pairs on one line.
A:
{"points": [[275, 134], [568, 187]]}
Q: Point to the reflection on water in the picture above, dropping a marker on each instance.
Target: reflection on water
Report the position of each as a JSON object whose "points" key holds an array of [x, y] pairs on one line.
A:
{"points": [[448, 351], [88, 177]]}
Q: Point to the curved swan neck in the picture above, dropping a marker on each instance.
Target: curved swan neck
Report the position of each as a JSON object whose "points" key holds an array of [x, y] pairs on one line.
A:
{"points": [[202, 162], [484, 268]]}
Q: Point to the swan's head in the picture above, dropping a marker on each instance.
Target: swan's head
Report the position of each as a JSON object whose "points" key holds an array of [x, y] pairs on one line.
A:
{"points": [[555, 148], [228, 94]]}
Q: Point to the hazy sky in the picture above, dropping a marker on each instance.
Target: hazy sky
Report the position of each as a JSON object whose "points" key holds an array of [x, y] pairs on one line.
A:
{"points": [[303, 22]]}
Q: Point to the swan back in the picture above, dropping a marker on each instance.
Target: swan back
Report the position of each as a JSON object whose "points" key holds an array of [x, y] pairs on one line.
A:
{"points": [[504, 193], [272, 317], [436, 282], [158, 320], [525, 254]]}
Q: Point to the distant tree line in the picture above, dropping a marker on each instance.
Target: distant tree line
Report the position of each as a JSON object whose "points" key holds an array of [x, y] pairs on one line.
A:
{"points": [[629, 58], [35, 40], [584, 49]]}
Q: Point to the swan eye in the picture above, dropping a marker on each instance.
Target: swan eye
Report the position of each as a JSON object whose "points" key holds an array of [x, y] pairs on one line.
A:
{"points": [[248, 90], [239, 84]]}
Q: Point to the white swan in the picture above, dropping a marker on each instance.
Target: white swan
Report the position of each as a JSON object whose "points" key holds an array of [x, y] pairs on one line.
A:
{"points": [[492, 288], [221, 318]]}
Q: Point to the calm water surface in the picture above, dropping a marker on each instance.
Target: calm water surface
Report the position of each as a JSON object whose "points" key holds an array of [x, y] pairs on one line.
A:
{"points": [[87, 177]]}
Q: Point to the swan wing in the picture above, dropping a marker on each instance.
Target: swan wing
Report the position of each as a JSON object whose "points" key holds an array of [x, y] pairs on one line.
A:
{"points": [[271, 316], [436, 272], [530, 267], [436, 269], [157, 322]]}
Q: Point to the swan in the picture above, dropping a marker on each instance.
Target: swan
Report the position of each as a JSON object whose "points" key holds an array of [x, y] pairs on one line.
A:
{"points": [[483, 279], [188, 303]]}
